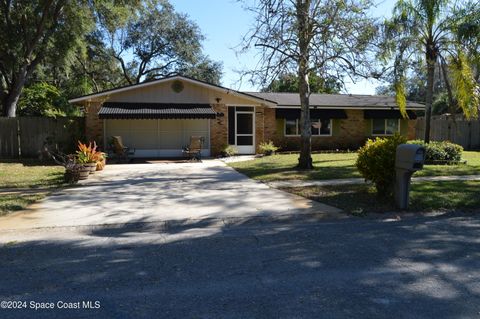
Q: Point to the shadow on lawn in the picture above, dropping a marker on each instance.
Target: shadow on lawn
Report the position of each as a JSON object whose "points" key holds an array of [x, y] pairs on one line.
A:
{"points": [[263, 170], [359, 268]]}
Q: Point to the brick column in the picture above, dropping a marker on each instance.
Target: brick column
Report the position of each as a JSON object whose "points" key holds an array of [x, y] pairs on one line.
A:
{"points": [[93, 125], [219, 130]]}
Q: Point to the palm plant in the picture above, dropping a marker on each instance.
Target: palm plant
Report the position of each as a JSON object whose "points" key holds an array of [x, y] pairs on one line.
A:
{"points": [[424, 30]]}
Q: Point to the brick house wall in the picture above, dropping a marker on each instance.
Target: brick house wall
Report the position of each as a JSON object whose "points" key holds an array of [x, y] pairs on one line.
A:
{"points": [[93, 125], [265, 127], [349, 133], [219, 130]]}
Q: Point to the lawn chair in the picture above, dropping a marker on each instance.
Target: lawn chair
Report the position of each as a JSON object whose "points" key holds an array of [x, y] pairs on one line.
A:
{"points": [[194, 150], [120, 150]]}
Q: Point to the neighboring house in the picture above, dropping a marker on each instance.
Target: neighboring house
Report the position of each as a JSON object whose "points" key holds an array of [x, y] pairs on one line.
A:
{"points": [[158, 117]]}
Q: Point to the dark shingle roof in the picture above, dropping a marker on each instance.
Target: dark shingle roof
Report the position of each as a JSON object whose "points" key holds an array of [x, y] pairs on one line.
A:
{"points": [[336, 100], [123, 110]]}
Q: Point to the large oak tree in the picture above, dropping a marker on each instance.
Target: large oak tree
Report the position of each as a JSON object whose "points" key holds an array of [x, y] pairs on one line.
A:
{"points": [[326, 37], [32, 31]]}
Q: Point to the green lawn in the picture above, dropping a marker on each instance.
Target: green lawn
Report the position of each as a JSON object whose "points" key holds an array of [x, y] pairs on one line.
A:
{"points": [[337, 165], [424, 196], [28, 174]]}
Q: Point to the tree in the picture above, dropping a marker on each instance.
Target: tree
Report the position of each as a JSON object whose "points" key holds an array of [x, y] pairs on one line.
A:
{"points": [[32, 31], [289, 83], [467, 32], [420, 30], [307, 37], [43, 99], [155, 41]]}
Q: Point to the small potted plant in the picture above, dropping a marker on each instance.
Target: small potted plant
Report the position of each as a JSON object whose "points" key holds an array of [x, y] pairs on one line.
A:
{"points": [[268, 148], [72, 169], [86, 155], [101, 160]]}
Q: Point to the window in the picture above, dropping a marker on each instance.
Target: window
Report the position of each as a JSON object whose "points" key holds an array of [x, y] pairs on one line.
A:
{"points": [[385, 126], [320, 127], [291, 127]]}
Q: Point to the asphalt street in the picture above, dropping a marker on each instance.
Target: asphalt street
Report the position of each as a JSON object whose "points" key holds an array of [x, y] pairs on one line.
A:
{"points": [[422, 267]]}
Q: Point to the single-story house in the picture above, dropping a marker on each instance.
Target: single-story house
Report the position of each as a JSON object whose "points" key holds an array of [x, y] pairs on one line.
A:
{"points": [[158, 117]]}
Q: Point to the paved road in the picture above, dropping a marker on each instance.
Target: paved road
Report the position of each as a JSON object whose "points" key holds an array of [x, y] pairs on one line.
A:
{"points": [[425, 267]]}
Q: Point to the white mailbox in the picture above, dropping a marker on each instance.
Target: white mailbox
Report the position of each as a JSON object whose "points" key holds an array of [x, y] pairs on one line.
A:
{"points": [[409, 158]]}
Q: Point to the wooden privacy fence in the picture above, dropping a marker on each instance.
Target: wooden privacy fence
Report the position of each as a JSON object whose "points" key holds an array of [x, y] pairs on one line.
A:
{"points": [[459, 131], [26, 136]]}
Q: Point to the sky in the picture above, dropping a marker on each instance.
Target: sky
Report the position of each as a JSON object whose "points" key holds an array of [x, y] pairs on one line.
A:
{"points": [[224, 22]]}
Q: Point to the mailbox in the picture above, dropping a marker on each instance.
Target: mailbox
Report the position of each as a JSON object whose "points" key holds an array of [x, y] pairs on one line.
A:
{"points": [[409, 158]]}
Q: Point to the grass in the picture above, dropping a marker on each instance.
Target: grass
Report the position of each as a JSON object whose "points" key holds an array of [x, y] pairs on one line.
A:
{"points": [[424, 196], [27, 174], [337, 165]]}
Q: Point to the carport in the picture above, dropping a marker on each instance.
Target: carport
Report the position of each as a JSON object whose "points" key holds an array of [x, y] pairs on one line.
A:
{"points": [[157, 129]]}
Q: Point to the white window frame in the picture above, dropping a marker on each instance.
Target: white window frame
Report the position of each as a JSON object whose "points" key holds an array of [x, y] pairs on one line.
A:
{"points": [[298, 129], [384, 128]]}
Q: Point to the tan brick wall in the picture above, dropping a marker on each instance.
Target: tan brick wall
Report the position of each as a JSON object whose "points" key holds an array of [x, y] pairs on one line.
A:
{"points": [[264, 125], [412, 124], [93, 125], [346, 133], [219, 130], [270, 124]]}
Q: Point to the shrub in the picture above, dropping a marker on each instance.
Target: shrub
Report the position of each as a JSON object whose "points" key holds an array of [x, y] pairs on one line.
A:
{"points": [[229, 150], [453, 151], [268, 148], [376, 162], [440, 152]]}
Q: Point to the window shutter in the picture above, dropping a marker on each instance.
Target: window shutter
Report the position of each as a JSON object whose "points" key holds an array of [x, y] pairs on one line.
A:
{"points": [[404, 127], [280, 127], [336, 127], [231, 125], [368, 127]]}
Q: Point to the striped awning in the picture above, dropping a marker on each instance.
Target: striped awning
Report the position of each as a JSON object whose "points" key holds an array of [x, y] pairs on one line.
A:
{"points": [[123, 110], [387, 114], [294, 113]]}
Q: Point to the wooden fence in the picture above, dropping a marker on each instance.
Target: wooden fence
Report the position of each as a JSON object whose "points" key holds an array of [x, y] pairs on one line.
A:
{"points": [[460, 131], [26, 136]]}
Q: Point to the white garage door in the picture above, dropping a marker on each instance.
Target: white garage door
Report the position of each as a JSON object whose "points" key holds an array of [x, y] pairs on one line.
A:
{"points": [[159, 138]]}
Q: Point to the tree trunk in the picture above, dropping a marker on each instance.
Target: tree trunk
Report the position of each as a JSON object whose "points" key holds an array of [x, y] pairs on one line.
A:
{"points": [[15, 91], [431, 60], [305, 159]]}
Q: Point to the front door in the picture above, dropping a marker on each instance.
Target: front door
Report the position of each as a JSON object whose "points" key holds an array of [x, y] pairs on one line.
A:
{"points": [[245, 133]]}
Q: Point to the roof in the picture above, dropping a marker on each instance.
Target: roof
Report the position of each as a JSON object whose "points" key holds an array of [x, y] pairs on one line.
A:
{"points": [[121, 110], [170, 78], [337, 100], [275, 99]]}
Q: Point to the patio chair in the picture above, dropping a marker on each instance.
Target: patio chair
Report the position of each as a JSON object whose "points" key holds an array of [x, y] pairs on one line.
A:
{"points": [[121, 151], [194, 150]]}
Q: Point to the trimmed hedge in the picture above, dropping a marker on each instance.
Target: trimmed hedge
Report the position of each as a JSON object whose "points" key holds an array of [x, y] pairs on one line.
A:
{"points": [[440, 152]]}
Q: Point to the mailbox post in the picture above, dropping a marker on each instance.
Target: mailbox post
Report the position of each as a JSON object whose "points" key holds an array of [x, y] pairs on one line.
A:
{"points": [[409, 158]]}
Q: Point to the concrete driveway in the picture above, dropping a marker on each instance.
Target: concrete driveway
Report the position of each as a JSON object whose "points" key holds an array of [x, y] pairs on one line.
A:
{"points": [[179, 192], [127, 262]]}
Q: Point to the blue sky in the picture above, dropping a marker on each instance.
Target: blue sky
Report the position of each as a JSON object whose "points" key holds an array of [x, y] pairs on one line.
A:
{"points": [[224, 22]]}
